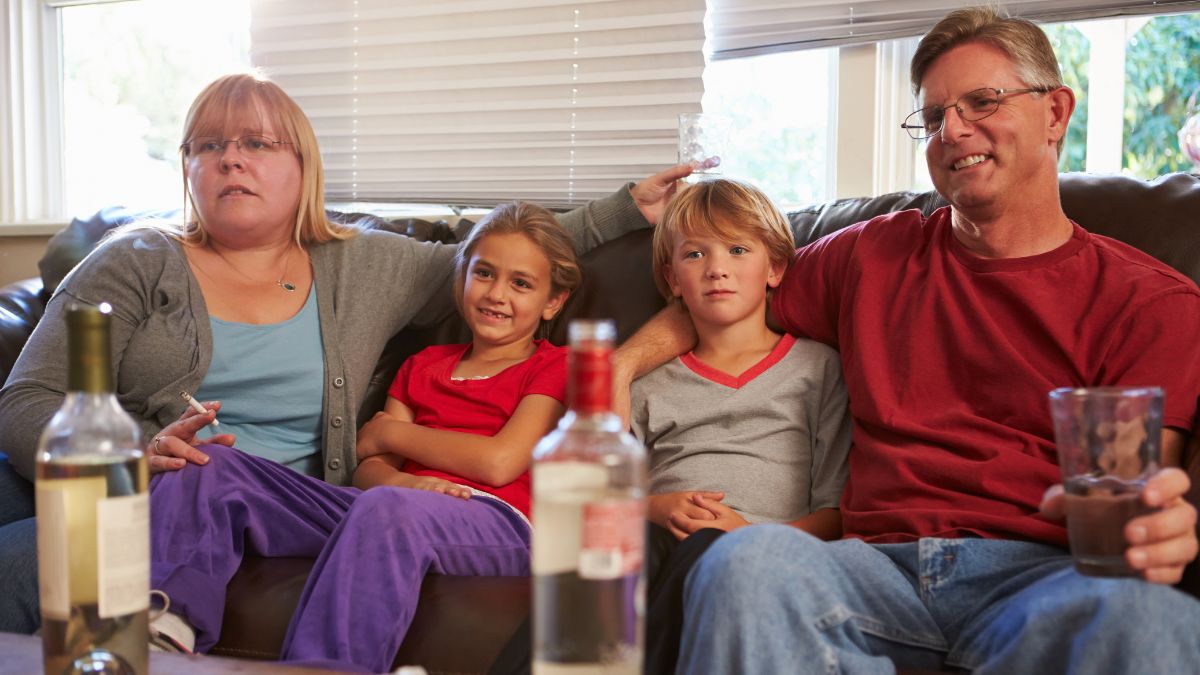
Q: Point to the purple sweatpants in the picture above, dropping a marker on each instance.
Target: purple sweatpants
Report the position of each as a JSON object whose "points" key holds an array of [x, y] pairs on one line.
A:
{"points": [[374, 548]]}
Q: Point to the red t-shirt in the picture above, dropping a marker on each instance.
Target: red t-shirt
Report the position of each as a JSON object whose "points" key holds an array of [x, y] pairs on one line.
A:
{"points": [[476, 406], [948, 358]]}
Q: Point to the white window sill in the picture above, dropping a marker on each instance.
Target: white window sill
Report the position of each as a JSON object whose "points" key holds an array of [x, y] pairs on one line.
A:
{"points": [[31, 229]]}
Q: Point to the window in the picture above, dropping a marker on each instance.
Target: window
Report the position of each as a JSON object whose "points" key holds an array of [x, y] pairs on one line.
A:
{"points": [[92, 93], [779, 139], [1134, 79], [129, 74]]}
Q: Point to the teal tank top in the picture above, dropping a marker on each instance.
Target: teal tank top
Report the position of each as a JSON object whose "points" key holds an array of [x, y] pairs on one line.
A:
{"points": [[270, 382]]}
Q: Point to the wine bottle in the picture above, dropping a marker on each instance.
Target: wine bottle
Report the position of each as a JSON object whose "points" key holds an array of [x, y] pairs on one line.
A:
{"points": [[93, 517], [589, 510]]}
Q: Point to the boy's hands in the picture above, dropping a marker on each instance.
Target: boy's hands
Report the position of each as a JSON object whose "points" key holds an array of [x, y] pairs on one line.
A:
{"points": [[661, 508], [718, 516]]}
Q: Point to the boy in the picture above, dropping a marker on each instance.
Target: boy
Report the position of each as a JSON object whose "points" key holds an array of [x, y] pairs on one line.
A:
{"points": [[750, 426]]}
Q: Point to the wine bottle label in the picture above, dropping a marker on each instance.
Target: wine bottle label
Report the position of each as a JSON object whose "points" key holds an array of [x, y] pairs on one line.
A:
{"points": [[123, 554], [67, 574], [92, 549], [54, 588], [613, 538]]}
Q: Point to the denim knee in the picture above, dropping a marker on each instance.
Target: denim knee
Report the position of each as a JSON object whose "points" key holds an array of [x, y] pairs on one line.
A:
{"points": [[757, 561], [1146, 617], [19, 568]]}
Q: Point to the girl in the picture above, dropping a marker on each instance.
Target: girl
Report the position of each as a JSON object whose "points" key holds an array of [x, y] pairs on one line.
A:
{"points": [[452, 448]]}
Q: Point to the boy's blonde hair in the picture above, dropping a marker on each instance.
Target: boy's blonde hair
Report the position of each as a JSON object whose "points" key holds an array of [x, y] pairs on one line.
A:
{"points": [[724, 209], [541, 227]]}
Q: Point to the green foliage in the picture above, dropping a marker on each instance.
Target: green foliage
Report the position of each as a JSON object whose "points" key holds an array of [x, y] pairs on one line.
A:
{"points": [[1072, 49], [1162, 69]]}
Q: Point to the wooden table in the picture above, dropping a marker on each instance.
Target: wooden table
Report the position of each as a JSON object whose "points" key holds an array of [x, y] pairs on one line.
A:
{"points": [[22, 655]]}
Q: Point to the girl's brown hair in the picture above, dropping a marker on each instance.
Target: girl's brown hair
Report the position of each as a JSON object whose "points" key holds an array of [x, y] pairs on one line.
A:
{"points": [[536, 223]]}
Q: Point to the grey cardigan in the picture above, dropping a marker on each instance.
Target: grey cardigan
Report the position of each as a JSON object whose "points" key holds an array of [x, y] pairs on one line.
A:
{"points": [[368, 288]]}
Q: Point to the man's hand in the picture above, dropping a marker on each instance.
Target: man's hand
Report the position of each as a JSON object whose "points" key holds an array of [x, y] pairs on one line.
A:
{"points": [[719, 516], [1162, 543], [652, 193], [660, 509]]}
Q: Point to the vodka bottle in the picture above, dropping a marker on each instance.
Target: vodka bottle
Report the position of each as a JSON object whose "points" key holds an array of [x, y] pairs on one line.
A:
{"points": [[589, 488], [93, 517]]}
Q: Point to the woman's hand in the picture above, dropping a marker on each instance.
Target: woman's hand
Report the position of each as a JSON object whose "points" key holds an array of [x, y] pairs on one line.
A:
{"points": [[1161, 543], [652, 193], [173, 447]]}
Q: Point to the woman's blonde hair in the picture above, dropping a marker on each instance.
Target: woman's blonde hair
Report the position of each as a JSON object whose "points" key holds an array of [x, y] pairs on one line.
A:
{"points": [[724, 209], [250, 94], [536, 223]]}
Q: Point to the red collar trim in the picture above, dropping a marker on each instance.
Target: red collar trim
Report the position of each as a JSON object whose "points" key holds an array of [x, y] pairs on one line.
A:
{"points": [[723, 378]]}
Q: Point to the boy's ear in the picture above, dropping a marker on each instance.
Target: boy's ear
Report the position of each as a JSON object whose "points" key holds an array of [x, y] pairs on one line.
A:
{"points": [[554, 304], [775, 275], [669, 275]]}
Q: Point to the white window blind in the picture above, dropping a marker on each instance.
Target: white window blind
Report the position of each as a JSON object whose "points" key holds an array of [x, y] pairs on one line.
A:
{"points": [[749, 27], [476, 102]]}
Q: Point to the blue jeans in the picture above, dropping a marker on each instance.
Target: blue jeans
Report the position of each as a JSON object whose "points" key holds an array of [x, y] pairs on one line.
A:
{"points": [[18, 553], [772, 599]]}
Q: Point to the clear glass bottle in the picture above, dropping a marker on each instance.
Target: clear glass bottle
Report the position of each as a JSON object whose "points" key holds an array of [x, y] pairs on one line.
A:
{"points": [[589, 510], [93, 517]]}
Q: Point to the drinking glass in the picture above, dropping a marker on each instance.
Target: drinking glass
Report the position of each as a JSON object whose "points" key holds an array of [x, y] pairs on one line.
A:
{"points": [[1108, 445], [702, 140]]}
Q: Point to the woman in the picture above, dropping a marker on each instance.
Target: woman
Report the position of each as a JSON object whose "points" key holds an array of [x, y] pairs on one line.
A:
{"points": [[256, 283]]}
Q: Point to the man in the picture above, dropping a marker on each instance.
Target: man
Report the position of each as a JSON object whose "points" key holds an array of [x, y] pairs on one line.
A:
{"points": [[951, 331]]}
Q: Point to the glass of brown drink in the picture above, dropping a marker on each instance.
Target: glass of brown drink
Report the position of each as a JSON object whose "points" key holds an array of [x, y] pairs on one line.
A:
{"points": [[1108, 445]]}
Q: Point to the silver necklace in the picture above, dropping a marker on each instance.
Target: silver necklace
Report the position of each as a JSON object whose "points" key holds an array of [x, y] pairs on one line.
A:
{"points": [[279, 281]]}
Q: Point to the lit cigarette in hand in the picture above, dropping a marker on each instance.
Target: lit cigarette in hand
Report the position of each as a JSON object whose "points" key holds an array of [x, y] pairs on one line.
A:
{"points": [[195, 405]]}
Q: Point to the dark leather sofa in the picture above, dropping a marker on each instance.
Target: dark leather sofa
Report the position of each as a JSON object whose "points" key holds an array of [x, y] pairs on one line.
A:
{"points": [[462, 623]]}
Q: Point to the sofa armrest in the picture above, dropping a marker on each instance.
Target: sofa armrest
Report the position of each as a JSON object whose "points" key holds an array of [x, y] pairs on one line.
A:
{"points": [[21, 307]]}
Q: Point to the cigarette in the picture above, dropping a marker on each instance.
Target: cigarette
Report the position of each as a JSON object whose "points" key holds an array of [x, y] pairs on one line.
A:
{"points": [[196, 405]]}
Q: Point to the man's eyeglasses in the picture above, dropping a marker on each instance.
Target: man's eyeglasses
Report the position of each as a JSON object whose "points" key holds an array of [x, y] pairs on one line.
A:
{"points": [[971, 106], [250, 146]]}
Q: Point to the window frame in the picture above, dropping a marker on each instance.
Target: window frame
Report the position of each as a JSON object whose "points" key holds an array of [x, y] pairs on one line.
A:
{"points": [[31, 121]]}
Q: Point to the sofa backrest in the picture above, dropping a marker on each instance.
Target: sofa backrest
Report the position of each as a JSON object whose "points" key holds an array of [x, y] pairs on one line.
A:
{"points": [[1160, 217]]}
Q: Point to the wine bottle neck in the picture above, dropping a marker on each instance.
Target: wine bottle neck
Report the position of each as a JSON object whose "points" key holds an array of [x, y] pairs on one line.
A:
{"points": [[89, 352], [590, 382]]}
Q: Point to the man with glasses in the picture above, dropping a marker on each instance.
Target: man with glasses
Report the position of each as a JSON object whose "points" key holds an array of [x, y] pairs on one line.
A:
{"points": [[951, 331]]}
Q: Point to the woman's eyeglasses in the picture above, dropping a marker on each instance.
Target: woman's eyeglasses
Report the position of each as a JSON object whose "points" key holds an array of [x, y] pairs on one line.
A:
{"points": [[250, 146]]}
